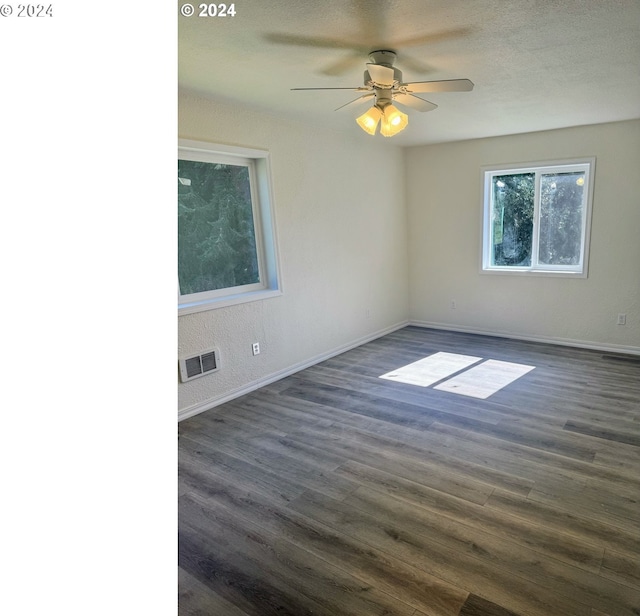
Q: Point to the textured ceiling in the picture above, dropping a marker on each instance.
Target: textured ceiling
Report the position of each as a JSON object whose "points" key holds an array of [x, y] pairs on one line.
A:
{"points": [[536, 65]]}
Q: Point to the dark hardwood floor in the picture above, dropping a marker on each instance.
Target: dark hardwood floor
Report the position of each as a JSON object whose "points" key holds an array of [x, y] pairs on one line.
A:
{"points": [[336, 493]]}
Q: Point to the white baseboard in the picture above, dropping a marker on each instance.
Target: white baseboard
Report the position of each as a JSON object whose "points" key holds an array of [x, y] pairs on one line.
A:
{"points": [[276, 376], [583, 344]]}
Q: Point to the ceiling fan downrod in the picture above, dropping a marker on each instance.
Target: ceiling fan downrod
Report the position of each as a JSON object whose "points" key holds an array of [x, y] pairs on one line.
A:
{"points": [[383, 57]]}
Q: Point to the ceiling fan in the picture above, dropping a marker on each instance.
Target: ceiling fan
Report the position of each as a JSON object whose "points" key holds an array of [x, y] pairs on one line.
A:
{"points": [[384, 86]]}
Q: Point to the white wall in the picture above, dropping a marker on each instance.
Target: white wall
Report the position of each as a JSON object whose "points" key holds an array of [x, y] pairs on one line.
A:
{"points": [[444, 199], [341, 227]]}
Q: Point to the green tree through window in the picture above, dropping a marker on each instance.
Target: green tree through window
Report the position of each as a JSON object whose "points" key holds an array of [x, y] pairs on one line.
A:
{"points": [[536, 219], [513, 219], [561, 202], [216, 233]]}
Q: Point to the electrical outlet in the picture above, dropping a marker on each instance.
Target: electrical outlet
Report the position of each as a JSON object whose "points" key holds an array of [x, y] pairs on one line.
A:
{"points": [[622, 319], [256, 348]]}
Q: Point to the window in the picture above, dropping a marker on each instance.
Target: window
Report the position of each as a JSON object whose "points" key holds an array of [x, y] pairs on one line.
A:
{"points": [[536, 218], [226, 236]]}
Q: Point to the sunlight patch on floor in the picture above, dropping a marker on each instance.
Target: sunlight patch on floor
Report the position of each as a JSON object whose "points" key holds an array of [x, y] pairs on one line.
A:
{"points": [[430, 370], [486, 379], [479, 381]]}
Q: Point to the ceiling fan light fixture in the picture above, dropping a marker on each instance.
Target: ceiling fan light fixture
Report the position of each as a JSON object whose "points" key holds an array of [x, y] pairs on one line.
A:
{"points": [[393, 121], [368, 121], [384, 82]]}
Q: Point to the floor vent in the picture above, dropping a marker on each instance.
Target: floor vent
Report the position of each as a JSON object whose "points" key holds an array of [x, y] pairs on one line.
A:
{"points": [[199, 365]]}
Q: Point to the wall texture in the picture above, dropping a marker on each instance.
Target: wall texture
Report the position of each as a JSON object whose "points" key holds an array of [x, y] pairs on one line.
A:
{"points": [[341, 226], [444, 200]]}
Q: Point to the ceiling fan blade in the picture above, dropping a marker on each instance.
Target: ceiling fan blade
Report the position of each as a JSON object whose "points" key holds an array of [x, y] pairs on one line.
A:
{"points": [[343, 65], [416, 66], [360, 99], [310, 41], [415, 102], [358, 89], [446, 85], [382, 75], [430, 39]]}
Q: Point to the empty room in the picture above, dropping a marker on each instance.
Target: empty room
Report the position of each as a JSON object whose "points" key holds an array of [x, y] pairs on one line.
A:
{"points": [[409, 308]]}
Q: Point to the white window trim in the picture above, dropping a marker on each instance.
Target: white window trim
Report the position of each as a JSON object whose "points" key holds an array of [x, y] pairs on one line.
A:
{"points": [[486, 172], [258, 162]]}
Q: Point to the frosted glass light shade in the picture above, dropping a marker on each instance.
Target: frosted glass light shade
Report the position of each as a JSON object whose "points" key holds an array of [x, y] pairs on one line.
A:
{"points": [[368, 121], [393, 121]]}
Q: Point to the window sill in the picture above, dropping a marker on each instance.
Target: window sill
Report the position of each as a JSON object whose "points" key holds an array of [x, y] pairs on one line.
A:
{"points": [[533, 272], [229, 300]]}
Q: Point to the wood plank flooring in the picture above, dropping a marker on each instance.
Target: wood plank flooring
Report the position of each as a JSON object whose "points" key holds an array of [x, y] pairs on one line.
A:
{"points": [[336, 493]]}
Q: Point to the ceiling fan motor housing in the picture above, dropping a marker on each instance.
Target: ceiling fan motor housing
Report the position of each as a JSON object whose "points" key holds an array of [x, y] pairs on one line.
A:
{"points": [[397, 77], [382, 76]]}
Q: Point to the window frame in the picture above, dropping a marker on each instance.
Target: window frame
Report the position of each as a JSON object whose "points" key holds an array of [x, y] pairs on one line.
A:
{"points": [[539, 168], [258, 164]]}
